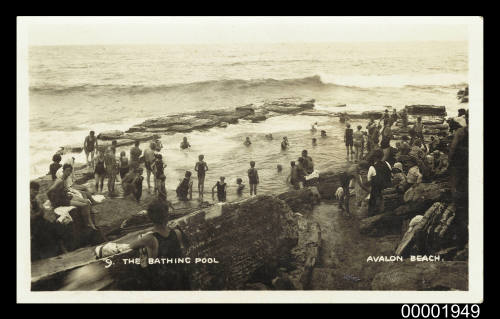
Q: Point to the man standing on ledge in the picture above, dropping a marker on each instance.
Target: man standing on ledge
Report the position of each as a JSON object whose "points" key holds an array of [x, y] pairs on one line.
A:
{"points": [[89, 146]]}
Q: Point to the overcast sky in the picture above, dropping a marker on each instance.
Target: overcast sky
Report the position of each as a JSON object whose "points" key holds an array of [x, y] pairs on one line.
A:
{"points": [[186, 30]]}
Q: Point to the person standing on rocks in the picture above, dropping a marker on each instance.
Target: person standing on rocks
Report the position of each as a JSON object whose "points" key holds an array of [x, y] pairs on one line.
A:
{"points": [[253, 178], [111, 167], [379, 176], [89, 146], [394, 117], [386, 139], [135, 154], [404, 118], [201, 168], [358, 143], [348, 140], [419, 128], [149, 158], [99, 171]]}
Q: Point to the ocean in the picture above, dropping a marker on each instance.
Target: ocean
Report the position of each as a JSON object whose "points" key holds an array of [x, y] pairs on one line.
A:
{"points": [[75, 89]]}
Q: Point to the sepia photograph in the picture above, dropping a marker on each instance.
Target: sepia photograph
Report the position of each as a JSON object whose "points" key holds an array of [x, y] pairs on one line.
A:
{"points": [[250, 159]]}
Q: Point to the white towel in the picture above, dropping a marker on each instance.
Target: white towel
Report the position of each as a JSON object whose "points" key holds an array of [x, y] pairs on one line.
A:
{"points": [[339, 194], [314, 174], [98, 198], [64, 216], [110, 249]]}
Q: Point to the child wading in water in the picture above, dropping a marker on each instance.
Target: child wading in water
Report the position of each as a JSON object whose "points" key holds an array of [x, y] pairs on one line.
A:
{"points": [[253, 178], [221, 190], [201, 167], [241, 186]]}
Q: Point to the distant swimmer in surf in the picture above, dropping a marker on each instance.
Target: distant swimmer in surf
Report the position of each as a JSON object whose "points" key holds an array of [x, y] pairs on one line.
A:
{"points": [[247, 142], [279, 168], [269, 136], [314, 142], [314, 127], [284, 143], [185, 144], [323, 133]]}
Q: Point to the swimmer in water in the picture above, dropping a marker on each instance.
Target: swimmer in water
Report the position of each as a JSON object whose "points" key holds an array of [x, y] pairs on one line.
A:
{"points": [[247, 142], [284, 143], [323, 133], [185, 144], [241, 186], [269, 136], [314, 143], [279, 168], [221, 187], [314, 127]]}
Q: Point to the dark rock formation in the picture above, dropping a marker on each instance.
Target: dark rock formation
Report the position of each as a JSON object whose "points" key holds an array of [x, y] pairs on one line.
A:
{"points": [[110, 135], [426, 110], [434, 234], [416, 200]]}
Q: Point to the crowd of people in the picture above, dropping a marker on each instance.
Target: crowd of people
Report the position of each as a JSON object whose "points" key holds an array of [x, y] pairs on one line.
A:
{"points": [[410, 162], [379, 166]]}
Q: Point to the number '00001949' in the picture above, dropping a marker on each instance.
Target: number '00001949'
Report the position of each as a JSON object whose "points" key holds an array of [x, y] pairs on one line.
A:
{"points": [[438, 311]]}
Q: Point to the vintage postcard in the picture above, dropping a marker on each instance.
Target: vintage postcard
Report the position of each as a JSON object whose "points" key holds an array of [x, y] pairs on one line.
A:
{"points": [[250, 159]]}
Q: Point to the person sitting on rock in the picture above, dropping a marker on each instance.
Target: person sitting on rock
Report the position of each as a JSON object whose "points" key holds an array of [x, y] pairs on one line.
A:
{"points": [[185, 188], [185, 144], [59, 195], [55, 166], [247, 142], [284, 143], [164, 241], [399, 178], [414, 175], [416, 150], [132, 183], [221, 187], [241, 186]]}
